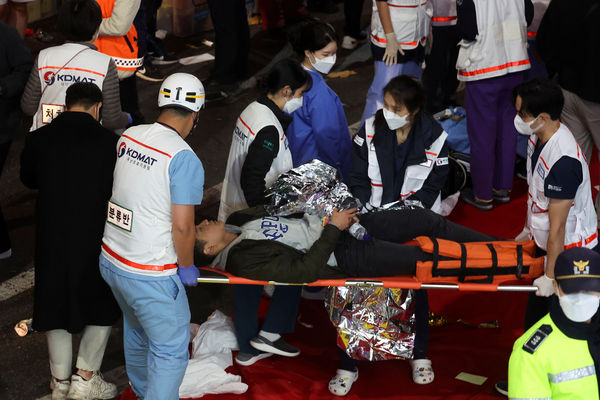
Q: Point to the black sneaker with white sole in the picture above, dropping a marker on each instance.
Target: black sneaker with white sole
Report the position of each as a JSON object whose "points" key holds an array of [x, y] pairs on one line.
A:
{"points": [[246, 359], [279, 347], [164, 59]]}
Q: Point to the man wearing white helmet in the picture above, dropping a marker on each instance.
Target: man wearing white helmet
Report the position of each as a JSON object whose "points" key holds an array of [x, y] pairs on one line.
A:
{"points": [[148, 243]]}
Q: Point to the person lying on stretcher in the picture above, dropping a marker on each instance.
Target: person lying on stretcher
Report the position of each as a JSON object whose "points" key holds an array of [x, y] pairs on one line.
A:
{"points": [[298, 250]]}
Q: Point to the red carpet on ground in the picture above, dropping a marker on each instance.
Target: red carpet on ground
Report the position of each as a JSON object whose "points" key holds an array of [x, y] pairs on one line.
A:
{"points": [[454, 348]]}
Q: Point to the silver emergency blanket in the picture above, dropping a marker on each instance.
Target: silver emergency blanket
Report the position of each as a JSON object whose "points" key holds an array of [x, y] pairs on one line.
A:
{"points": [[312, 188], [373, 323]]}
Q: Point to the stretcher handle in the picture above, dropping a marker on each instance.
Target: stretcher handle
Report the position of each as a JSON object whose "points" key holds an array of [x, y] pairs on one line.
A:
{"points": [[447, 286]]}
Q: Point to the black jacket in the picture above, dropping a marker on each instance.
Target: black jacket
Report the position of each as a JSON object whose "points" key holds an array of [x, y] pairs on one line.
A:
{"points": [[568, 41], [425, 131], [71, 163], [261, 153], [271, 260], [15, 64]]}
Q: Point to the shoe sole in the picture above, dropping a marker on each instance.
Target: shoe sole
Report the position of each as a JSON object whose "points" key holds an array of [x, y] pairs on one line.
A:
{"points": [[163, 62], [253, 359], [502, 200], [147, 78], [270, 349], [501, 391]]}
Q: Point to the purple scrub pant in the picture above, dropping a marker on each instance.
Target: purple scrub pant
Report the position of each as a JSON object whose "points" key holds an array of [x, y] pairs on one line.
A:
{"points": [[492, 134]]}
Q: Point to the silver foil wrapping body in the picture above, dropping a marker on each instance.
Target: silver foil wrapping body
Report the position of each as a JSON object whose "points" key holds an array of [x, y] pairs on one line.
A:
{"points": [[312, 188], [373, 323]]}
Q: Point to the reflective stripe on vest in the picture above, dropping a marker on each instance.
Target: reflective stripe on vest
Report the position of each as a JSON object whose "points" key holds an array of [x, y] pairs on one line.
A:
{"points": [[531, 34], [158, 268], [493, 69], [443, 19], [573, 374], [129, 64]]}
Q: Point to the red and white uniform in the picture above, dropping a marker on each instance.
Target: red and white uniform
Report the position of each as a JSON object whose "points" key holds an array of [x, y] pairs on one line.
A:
{"points": [[410, 19]]}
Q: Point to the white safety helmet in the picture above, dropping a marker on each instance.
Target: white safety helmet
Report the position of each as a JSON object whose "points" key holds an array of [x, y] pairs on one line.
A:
{"points": [[181, 90]]}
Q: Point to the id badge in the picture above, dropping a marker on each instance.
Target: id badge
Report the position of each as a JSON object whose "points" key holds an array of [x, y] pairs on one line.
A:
{"points": [[51, 111], [120, 217]]}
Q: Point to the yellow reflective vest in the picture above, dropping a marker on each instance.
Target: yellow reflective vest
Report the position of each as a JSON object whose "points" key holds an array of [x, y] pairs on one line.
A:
{"points": [[547, 364]]}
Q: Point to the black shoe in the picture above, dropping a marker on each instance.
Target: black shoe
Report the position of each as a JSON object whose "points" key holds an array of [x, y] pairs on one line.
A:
{"points": [[164, 59], [502, 387], [521, 168], [468, 197], [150, 73], [501, 196], [279, 346]]}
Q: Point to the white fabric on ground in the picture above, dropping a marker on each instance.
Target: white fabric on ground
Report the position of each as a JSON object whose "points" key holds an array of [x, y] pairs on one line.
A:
{"points": [[211, 355]]}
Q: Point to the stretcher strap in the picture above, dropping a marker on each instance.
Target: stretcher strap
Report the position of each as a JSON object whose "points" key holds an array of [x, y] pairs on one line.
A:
{"points": [[435, 255], [462, 274], [519, 261], [490, 278]]}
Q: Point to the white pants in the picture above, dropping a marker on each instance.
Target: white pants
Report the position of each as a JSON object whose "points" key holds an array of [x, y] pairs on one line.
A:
{"points": [[91, 350]]}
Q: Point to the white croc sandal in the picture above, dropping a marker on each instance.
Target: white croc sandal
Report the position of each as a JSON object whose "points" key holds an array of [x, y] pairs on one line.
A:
{"points": [[342, 382], [422, 372]]}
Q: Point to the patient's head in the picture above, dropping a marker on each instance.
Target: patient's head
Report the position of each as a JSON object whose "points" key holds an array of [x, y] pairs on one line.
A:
{"points": [[212, 237]]}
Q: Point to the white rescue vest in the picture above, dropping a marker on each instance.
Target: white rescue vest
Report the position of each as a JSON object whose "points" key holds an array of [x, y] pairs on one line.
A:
{"points": [[500, 47], [410, 19], [444, 12], [581, 228], [539, 9], [58, 68], [414, 175], [254, 118], [137, 234]]}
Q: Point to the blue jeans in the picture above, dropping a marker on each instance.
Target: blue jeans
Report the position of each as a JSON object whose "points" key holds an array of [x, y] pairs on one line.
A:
{"points": [[156, 330], [384, 74]]}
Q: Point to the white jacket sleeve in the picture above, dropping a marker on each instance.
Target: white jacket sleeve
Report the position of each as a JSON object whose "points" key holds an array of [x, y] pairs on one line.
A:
{"points": [[119, 23]]}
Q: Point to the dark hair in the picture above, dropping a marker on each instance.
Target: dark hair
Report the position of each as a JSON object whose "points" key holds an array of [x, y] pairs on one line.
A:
{"points": [[84, 94], [312, 35], [539, 96], [79, 19], [405, 90], [285, 72]]}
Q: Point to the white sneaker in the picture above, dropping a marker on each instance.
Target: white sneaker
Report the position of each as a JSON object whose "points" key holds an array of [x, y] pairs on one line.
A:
{"points": [[59, 389], [95, 388], [349, 43]]}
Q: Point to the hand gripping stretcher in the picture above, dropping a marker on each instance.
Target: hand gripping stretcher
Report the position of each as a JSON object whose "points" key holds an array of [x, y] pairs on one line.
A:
{"points": [[477, 266]]}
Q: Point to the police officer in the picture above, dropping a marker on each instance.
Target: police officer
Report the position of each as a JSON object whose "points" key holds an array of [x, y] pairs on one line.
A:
{"points": [[559, 356], [148, 243]]}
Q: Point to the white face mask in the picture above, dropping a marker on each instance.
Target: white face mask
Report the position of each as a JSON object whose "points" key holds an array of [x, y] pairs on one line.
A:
{"points": [[524, 128], [394, 120], [293, 104], [323, 65], [579, 307]]}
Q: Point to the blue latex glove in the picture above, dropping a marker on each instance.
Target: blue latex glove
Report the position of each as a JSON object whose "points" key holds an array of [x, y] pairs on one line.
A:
{"points": [[189, 275]]}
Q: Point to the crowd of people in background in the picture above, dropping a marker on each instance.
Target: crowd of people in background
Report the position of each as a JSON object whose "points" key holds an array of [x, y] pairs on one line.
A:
{"points": [[532, 97]]}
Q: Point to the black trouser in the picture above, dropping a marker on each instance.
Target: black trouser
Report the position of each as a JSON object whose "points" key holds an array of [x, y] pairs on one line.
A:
{"points": [[129, 99], [232, 40], [4, 238], [145, 25], [384, 255], [281, 317], [352, 14], [439, 77], [421, 332]]}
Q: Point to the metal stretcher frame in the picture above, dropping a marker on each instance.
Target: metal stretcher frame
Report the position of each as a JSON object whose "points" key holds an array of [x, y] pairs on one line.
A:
{"points": [[392, 282]]}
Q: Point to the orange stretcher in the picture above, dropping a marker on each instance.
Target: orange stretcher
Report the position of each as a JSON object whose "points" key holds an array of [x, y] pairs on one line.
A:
{"points": [[211, 275]]}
